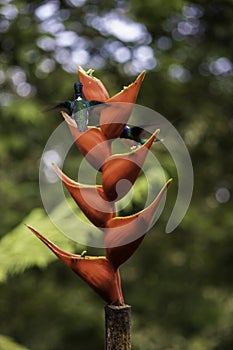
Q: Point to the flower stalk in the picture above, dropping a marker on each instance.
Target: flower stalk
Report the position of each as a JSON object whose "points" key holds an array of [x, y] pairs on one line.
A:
{"points": [[117, 327]]}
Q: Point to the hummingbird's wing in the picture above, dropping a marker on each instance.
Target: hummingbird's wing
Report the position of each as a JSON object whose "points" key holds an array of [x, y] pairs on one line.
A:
{"points": [[61, 106]]}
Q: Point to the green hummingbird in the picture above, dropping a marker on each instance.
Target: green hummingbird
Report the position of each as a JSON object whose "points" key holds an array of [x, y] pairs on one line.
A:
{"points": [[136, 134], [79, 108]]}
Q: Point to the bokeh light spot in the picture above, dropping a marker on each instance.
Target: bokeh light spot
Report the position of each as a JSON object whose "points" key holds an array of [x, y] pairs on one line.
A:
{"points": [[222, 195]]}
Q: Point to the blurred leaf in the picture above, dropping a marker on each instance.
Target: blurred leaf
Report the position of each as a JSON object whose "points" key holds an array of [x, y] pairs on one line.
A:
{"points": [[20, 249], [6, 343]]}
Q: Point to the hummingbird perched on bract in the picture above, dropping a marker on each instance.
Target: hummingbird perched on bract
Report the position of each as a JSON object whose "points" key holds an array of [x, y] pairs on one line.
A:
{"points": [[79, 108]]}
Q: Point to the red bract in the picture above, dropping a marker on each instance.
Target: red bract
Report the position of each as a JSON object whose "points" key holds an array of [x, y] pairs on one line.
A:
{"points": [[98, 272], [93, 88], [116, 115], [92, 200], [119, 109], [125, 168], [122, 235]]}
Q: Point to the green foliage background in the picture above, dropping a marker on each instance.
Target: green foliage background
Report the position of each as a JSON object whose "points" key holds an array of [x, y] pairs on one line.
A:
{"points": [[179, 285]]}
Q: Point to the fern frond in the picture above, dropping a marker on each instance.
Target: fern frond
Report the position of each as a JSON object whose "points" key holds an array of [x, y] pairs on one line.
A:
{"points": [[20, 250]]}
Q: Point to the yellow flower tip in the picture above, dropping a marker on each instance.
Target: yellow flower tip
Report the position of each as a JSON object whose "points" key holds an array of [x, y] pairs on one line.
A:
{"points": [[137, 81], [165, 187], [150, 141], [81, 69], [141, 75], [88, 73], [140, 78], [169, 182]]}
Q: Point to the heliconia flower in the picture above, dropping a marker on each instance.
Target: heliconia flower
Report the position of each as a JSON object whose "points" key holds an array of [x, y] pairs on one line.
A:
{"points": [[98, 272], [119, 107], [92, 144], [125, 168], [123, 235], [92, 200]]}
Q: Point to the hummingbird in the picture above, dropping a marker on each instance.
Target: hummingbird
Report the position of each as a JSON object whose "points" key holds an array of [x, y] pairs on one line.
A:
{"points": [[79, 108], [136, 134]]}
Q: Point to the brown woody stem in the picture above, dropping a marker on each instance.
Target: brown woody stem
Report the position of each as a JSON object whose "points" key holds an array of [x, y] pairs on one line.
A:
{"points": [[117, 327]]}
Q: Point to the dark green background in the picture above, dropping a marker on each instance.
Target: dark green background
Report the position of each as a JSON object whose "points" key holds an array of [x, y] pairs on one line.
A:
{"points": [[179, 285]]}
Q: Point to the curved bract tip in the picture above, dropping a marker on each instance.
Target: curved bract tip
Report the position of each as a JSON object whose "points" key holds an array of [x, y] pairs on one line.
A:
{"points": [[91, 200], [98, 272]]}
